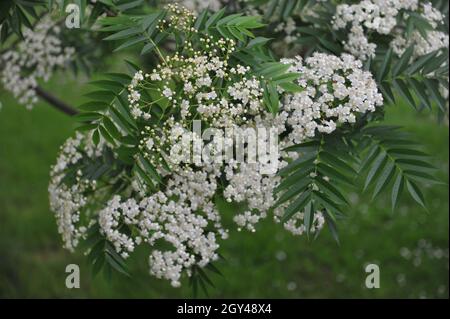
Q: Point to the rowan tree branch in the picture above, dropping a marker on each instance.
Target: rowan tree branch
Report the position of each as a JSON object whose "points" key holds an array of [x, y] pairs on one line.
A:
{"points": [[55, 102]]}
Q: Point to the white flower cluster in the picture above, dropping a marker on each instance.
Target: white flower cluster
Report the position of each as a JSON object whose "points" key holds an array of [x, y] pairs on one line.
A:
{"points": [[298, 229], [183, 215], [383, 17], [183, 212], [336, 89], [238, 104], [178, 17], [67, 201], [289, 27], [433, 41], [248, 185], [35, 59], [197, 73], [178, 218]]}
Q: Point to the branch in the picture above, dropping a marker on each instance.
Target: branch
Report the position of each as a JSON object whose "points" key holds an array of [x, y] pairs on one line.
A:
{"points": [[55, 102], [108, 12]]}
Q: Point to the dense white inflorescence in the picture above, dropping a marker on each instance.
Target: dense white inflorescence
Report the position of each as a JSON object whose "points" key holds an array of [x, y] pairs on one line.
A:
{"points": [[179, 219], [183, 213], [336, 90], [35, 59], [296, 226], [67, 201], [248, 185], [287, 28], [382, 17]]}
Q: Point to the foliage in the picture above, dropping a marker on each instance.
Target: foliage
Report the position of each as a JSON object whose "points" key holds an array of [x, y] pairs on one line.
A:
{"points": [[328, 168], [15, 14], [413, 78]]}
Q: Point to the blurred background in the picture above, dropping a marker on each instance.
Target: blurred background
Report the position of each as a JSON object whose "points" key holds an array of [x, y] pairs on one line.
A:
{"points": [[411, 246]]}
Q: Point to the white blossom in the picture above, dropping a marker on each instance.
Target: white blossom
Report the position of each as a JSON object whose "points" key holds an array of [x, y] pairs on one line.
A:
{"points": [[384, 17], [336, 90], [35, 59]]}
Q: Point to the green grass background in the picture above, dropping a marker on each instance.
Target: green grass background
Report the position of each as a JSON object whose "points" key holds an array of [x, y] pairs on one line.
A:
{"points": [[410, 246]]}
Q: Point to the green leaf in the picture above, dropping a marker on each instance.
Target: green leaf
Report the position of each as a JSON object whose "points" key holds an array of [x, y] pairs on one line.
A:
{"points": [[215, 18], [129, 5], [384, 178], [273, 98], [301, 162], [397, 190], [88, 116], [200, 20], [87, 127], [115, 265], [96, 137], [436, 63], [296, 206], [297, 188], [258, 41], [331, 190], [205, 277], [124, 34], [105, 134], [419, 63], [108, 85], [140, 172], [149, 20], [149, 169], [214, 269], [131, 42], [399, 152], [420, 92], [98, 264], [374, 170], [334, 175], [414, 162], [404, 91], [418, 175], [270, 9], [327, 203], [433, 88], [304, 147], [273, 69], [331, 225], [309, 215], [111, 128], [93, 106], [403, 62], [291, 87], [286, 78], [103, 96], [336, 162], [385, 66], [385, 88], [123, 78], [289, 8], [415, 193]]}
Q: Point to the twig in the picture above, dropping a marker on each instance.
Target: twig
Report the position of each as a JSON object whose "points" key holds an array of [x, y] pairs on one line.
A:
{"points": [[55, 102], [108, 12]]}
